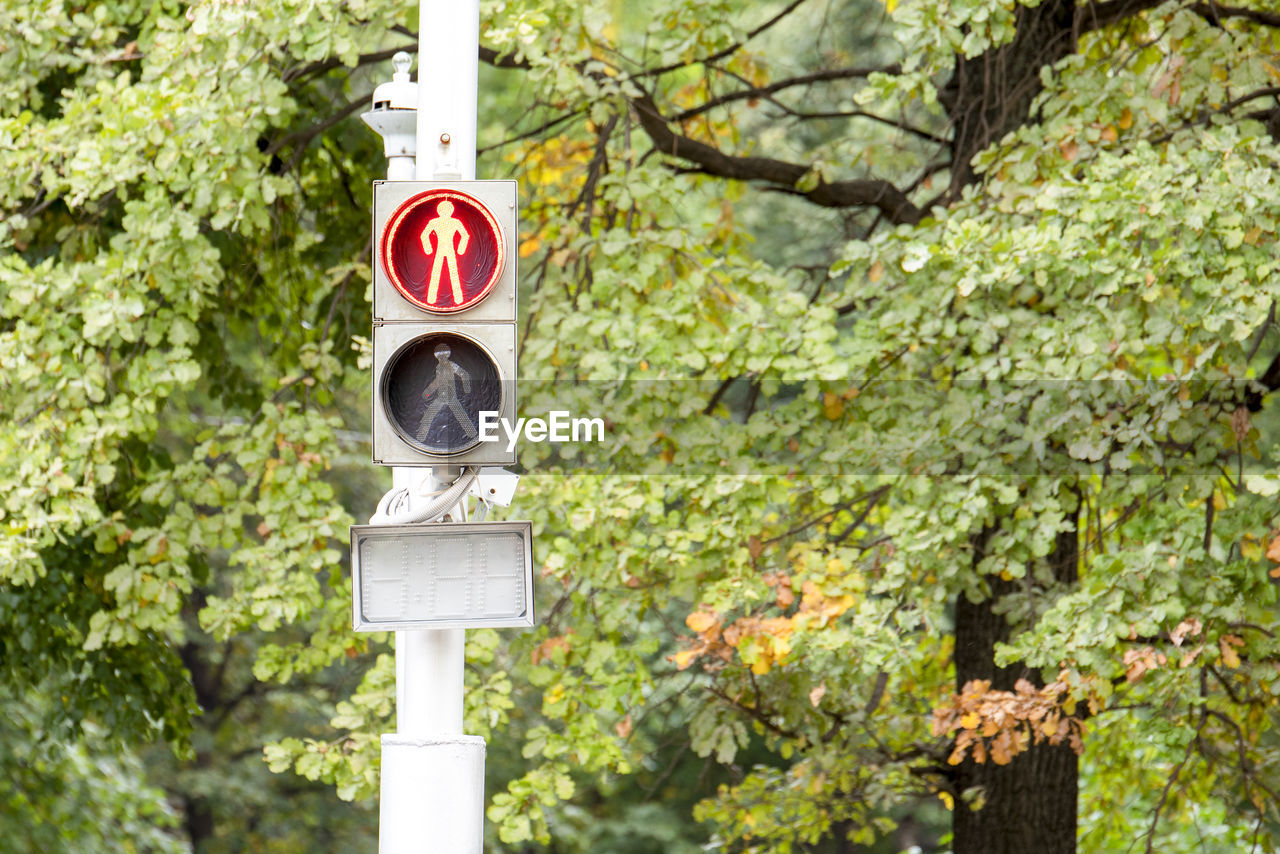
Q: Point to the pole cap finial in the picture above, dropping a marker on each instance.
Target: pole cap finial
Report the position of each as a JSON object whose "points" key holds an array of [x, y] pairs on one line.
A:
{"points": [[401, 62], [401, 93]]}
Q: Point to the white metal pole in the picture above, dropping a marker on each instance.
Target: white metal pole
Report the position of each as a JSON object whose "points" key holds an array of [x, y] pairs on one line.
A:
{"points": [[432, 788], [400, 169], [430, 663], [448, 81]]}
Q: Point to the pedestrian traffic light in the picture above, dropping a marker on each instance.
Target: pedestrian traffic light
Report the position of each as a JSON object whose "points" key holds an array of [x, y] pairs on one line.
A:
{"points": [[444, 320]]}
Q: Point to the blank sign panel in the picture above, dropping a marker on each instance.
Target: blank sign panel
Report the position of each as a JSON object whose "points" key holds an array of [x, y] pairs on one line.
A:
{"points": [[442, 575]]}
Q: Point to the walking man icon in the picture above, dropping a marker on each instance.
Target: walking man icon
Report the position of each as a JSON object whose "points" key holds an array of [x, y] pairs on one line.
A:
{"points": [[445, 228], [442, 392]]}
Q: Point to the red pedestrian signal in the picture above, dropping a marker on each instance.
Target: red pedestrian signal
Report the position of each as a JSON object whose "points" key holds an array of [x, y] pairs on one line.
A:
{"points": [[443, 251]]}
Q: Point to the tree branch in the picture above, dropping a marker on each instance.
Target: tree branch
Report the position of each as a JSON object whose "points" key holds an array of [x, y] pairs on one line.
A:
{"points": [[761, 91], [320, 67], [1096, 16], [753, 712], [1269, 92], [491, 57], [1213, 13], [870, 497], [540, 129], [304, 136], [1168, 786], [863, 114], [860, 192], [767, 92], [721, 54]]}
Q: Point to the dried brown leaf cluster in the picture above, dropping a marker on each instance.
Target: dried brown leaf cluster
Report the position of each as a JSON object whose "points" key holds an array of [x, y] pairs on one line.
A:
{"points": [[768, 638], [1001, 724]]}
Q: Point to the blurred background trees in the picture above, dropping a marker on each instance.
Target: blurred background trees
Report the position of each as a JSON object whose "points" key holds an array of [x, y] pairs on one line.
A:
{"points": [[937, 503]]}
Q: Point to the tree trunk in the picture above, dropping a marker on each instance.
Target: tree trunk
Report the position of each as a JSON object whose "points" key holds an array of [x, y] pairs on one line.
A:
{"points": [[991, 94], [199, 821], [1029, 805]]}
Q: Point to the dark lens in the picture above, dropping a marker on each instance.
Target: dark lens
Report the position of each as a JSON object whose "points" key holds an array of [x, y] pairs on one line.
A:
{"points": [[434, 394]]}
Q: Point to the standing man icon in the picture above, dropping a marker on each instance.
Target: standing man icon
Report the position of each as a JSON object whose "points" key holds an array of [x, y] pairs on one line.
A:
{"points": [[445, 228], [443, 392]]}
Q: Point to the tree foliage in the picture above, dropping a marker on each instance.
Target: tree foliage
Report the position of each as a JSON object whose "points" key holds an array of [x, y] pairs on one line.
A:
{"points": [[935, 339]]}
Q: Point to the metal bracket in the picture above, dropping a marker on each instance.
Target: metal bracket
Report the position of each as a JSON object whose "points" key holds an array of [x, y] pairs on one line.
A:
{"points": [[495, 486]]}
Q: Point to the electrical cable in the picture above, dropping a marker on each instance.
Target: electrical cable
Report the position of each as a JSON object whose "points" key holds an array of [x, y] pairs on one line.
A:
{"points": [[397, 506]]}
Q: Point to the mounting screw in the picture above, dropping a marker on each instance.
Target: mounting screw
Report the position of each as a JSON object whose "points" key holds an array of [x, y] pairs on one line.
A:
{"points": [[444, 138]]}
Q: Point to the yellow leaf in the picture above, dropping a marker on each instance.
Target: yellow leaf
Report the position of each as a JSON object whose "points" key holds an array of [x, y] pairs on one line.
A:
{"points": [[1126, 119], [684, 658], [1049, 727], [971, 720], [947, 801], [530, 246], [1229, 655], [700, 621], [876, 272], [832, 406]]}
